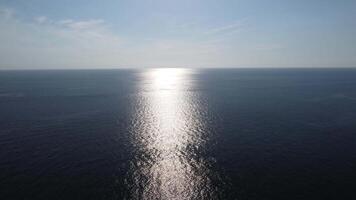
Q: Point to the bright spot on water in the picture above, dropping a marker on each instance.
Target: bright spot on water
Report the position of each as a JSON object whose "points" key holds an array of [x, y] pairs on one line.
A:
{"points": [[168, 132]]}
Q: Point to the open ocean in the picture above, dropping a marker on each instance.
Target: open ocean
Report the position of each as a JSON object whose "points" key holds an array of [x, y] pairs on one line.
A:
{"points": [[178, 134]]}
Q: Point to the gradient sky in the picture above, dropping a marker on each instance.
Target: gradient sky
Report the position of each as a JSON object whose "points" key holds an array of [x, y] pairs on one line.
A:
{"points": [[177, 33]]}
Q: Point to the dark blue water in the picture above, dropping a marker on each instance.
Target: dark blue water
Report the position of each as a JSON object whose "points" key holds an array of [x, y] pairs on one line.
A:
{"points": [[178, 134]]}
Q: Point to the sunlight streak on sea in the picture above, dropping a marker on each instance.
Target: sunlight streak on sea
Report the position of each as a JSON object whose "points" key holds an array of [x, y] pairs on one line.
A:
{"points": [[168, 130]]}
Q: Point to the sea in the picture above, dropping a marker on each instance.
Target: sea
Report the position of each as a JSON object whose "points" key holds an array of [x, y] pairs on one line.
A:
{"points": [[178, 133]]}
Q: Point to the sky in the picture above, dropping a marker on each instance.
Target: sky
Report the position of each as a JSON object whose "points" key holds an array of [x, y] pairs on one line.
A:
{"points": [[40, 34]]}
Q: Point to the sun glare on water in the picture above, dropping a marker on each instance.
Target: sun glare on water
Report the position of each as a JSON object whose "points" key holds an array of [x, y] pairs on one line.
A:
{"points": [[168, 129]]}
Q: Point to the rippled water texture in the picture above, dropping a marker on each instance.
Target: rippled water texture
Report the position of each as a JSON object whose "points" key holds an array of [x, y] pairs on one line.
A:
{"points": [[184, 134], [168, 133]]}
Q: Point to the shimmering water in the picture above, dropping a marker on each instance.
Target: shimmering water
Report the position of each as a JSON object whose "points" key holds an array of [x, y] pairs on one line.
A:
{"points": [[168, 132], [178, 134]]}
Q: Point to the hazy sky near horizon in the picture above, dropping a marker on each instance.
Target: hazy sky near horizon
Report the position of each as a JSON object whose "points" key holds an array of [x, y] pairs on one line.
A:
{"points": [[177, 33]]}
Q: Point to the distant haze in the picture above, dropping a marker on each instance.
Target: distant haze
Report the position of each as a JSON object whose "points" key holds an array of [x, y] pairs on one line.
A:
{"points": [[69, 34]]}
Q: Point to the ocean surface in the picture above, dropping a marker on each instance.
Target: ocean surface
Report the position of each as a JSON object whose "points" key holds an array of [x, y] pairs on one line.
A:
{"points": [[178, 134]]}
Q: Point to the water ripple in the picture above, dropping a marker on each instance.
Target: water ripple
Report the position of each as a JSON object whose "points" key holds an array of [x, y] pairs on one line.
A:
{"points": [[168, 135]]}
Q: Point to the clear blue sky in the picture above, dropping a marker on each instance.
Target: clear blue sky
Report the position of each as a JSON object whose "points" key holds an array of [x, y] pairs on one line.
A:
{"points": [[177, 33]]}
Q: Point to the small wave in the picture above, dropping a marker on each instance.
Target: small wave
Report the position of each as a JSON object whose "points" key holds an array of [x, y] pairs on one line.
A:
{"points": [[16, 95]]}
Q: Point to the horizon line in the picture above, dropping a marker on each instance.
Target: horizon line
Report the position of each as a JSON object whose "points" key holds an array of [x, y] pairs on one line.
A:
{"points": [[161, 67]]}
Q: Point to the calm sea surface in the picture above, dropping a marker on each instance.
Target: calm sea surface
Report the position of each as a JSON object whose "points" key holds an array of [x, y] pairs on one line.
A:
{"points": [[178, 134]]}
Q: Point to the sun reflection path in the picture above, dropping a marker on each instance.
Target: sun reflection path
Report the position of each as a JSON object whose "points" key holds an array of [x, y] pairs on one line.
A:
{"points": [[168, 132]]}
